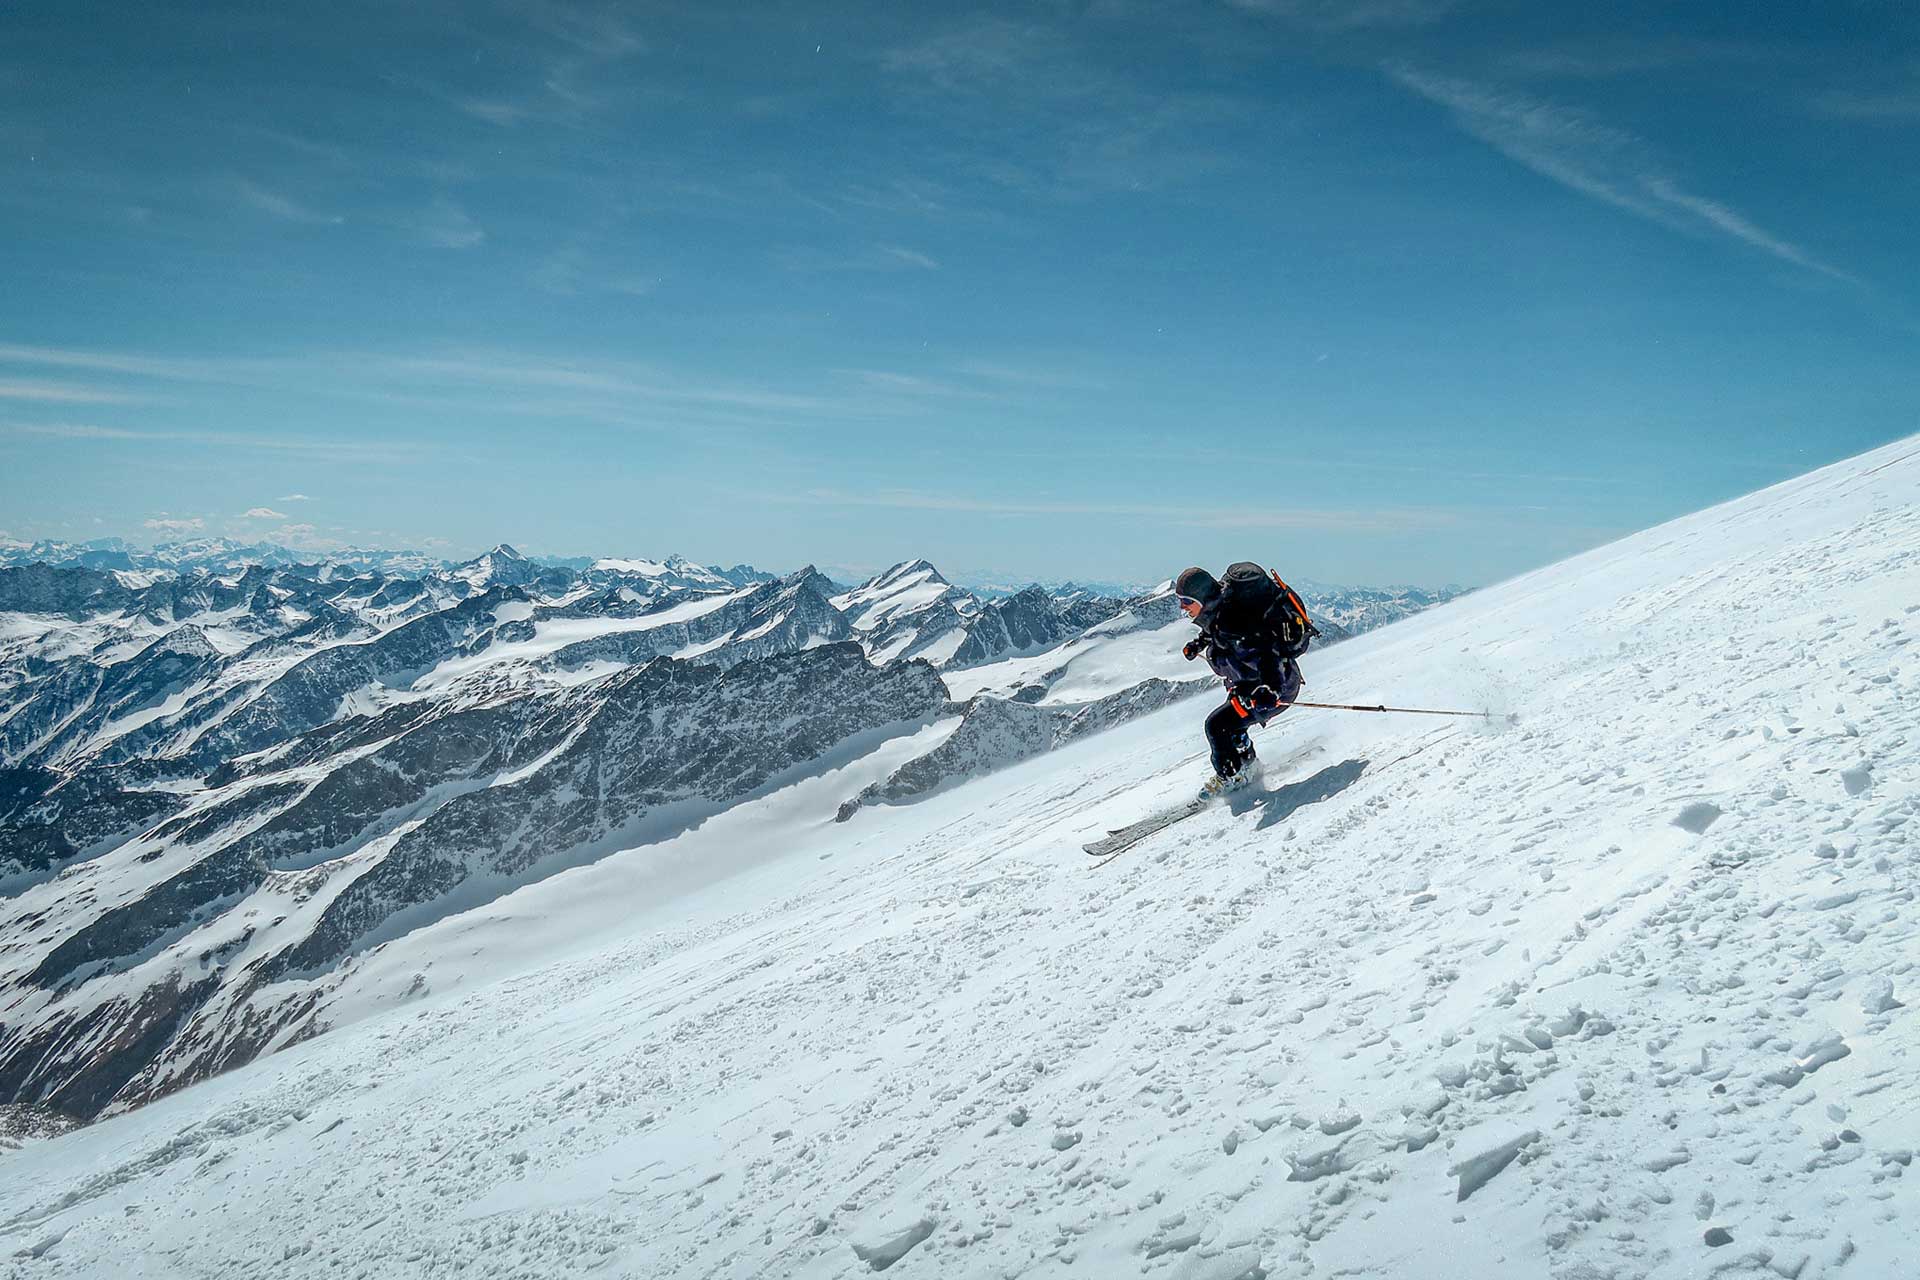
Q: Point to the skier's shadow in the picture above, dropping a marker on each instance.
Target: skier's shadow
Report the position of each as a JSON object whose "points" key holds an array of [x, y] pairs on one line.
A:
{"points": [[1282, 802]]}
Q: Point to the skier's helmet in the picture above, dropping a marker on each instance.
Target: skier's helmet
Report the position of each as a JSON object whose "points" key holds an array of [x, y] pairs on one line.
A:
{"points": [[1196, 589]]}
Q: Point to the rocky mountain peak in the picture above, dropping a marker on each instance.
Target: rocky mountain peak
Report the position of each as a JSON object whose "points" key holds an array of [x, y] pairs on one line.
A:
{"points": [[188, 641], [909, 569]]}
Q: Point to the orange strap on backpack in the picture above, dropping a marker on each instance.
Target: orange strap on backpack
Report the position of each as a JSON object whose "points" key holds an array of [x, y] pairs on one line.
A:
{"points": [[1294, 602]]}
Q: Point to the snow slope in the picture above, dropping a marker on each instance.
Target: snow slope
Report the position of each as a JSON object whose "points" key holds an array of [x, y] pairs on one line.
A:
{"points": [[1106, 658], [1621, 991]]}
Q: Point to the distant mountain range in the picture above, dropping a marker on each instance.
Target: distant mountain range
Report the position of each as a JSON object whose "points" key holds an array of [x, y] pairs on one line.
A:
{"points": [[203, 555], [230, 773]]}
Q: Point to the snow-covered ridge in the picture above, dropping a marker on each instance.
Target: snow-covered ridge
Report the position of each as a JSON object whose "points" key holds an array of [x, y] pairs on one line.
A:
{"points": [[1622, 991]]}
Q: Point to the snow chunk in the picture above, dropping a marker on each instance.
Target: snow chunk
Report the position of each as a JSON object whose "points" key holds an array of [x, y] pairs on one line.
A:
{"points": [[1669, 1160], [1879, 997], [1174, 1244], [1339, 1120], [1566, 1025], [1818, 1053], [1697, 817], [883, 1255], [1419, 1137], [1476, 1172], [1238, 1263], [1310, 1166]]}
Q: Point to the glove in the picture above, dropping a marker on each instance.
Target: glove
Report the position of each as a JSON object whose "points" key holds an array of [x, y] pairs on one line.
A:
{"points": [[1194, 647], [1263, 698]]}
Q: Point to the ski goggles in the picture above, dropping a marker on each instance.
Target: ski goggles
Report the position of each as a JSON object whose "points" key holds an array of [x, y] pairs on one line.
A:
{"points": [[1189, 606]]}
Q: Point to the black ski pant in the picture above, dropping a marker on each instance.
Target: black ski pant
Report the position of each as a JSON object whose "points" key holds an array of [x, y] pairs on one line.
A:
{"points": [[1227, 736]]}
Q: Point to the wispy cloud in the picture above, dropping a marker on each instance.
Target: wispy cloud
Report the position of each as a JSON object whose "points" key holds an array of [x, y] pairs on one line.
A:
{"points": [[384, 450], [1031, 108], [1732, 223], [302, 537], [109, 362], [60, 393], [911, 257], [977, 380], [986, 52], [70, 431], [1352, 520], [1344, 15], [1048, 377], [174, 527], [493, 110], [333, 154], [879, 257], [262, 513], [572, 271], [1596, 160], [619, 393], [1607, 58], [910, 383], [293, 497], [282, 206], [557, 67], [1891, 106], [612, 383], [445, 225], [589, 31]]}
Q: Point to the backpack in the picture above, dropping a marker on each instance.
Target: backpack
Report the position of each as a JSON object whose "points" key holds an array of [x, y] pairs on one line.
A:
{"points": [[1255, 598]]}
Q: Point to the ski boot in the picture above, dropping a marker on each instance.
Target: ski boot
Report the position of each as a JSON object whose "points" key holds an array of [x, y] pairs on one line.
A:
{"points": [[1225, 785]]}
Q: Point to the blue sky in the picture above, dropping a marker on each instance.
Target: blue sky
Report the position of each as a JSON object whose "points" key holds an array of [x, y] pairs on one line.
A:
{"points": [[1393, 290]]}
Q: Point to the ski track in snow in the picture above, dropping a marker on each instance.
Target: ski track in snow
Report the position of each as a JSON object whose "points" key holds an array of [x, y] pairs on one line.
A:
{"points": [[1622, 991]]}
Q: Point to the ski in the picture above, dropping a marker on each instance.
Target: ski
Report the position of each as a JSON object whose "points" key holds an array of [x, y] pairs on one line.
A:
{"points": [[1121, 839], [1126, 837]]}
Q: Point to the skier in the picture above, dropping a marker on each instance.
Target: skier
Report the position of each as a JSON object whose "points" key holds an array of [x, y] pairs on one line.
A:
{"points": [[1252, 628]]}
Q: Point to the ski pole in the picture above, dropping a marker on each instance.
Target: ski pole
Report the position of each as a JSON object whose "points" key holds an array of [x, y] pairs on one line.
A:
{"points": [[1409, 711]]}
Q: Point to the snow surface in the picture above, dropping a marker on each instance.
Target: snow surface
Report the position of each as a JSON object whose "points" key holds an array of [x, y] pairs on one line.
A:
{"points": [[1104, 659], [645, 568], [1445, 1000]]}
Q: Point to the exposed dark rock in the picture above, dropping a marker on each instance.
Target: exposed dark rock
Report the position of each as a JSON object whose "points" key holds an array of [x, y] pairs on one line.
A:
{"points": [[995, 733], [73, 593], [1028, 622], [122, 1038]]}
